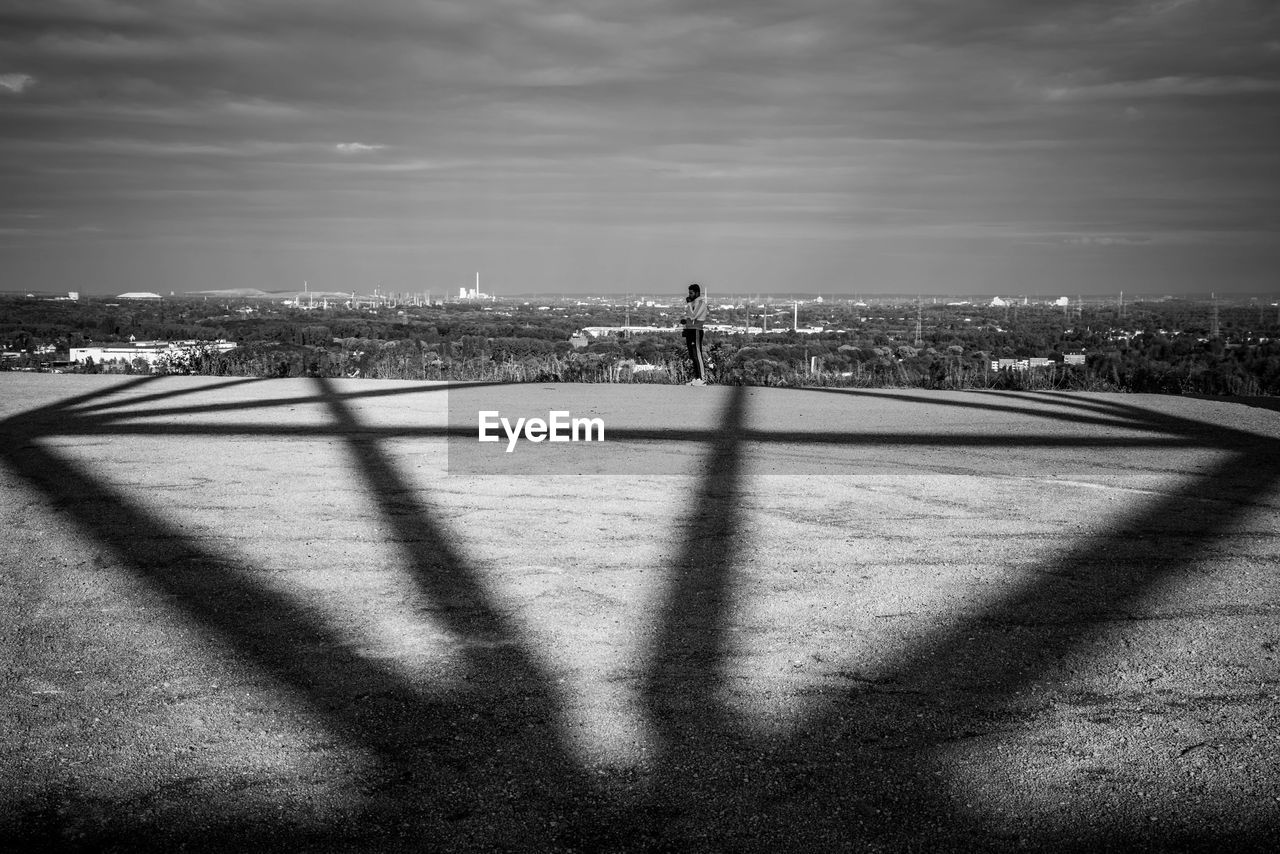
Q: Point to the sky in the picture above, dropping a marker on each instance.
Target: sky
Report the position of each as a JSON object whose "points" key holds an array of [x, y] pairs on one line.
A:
{"points": [[632, 146]]}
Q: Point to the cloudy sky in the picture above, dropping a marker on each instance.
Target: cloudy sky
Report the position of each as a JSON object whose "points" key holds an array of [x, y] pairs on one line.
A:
{"points": [[839, 147]]}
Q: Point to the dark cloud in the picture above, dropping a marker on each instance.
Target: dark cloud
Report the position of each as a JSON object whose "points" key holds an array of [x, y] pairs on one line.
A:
{"points": [[398, 132]]}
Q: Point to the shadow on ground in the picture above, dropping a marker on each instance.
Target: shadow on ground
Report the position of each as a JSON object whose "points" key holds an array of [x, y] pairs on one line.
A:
{"points": [[486, 768]]}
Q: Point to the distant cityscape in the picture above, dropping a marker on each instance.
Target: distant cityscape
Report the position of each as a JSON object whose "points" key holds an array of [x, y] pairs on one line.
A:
{"points": [[1216, 345], [311, 298]]}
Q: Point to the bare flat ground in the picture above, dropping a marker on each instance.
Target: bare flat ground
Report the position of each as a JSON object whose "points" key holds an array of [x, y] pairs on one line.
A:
{"points": [[317, 615]]}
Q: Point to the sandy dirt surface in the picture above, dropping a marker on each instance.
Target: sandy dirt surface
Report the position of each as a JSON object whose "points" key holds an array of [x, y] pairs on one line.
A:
{"points": [[319, 615]]}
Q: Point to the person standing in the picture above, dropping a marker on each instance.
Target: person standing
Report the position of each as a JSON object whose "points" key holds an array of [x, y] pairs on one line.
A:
{"points": [[695, 318]]}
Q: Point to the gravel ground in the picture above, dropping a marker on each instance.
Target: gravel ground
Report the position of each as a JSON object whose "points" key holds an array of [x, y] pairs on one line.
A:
{"points": [[320, 615]]}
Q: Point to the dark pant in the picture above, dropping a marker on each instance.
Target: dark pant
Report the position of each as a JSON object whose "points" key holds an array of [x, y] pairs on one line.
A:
{"points": [[693, 340]]}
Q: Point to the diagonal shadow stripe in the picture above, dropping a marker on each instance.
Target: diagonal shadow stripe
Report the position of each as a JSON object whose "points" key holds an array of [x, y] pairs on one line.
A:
{"points": [[1207, 433], [243, 405], [279, 635], [169, 394], [103, 419], [453, 590], [41, 415], [1134, 417], [866, 771], [507, 755], [892, 734], [682, 676], [1180, 431], [689, 643], [515, 687], [1106, 578], [89, 427]]}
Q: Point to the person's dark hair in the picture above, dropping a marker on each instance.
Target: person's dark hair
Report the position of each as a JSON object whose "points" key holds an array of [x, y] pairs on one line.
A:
{"points": [[697, 291]]}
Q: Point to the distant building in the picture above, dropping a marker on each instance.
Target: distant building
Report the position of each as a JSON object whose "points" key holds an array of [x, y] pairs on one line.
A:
{"points": [[148, 351], [1021, 364], [139, 295], [602, 331], [474, 293]]}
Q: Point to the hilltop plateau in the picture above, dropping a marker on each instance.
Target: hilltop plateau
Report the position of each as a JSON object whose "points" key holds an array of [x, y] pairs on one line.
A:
{"points": [[319, 614]]}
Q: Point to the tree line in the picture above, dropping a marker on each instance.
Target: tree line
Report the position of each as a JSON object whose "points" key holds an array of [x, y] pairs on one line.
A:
{"points": [[1173, 347]]}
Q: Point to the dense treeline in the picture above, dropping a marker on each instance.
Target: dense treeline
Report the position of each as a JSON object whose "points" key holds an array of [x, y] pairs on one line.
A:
{"points": [[1171, 346]]}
